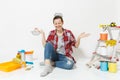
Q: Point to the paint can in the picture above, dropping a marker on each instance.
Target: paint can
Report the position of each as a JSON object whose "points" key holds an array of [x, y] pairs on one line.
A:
{"points": [[29, 57], [103, 36], [104, 65], [112, 67]]}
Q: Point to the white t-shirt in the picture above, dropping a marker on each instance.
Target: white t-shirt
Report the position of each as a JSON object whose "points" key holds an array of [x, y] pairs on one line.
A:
{"points": [[60, 48]]}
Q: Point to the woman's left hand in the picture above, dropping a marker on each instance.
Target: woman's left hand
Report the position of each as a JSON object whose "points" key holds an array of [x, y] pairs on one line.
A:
{"points": [[83, 35]]}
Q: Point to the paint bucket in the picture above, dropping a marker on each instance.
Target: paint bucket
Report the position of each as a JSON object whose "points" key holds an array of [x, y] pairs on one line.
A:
{"points": [[104, 65], [103, 36], [29, 57], [112, 67]]}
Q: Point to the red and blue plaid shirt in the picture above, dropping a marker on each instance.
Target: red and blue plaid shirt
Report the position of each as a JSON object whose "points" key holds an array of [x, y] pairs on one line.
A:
{"points": [[68, 38]]}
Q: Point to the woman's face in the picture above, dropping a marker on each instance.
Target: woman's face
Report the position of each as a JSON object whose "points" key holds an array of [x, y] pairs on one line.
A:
{"points": [[58, 24]]}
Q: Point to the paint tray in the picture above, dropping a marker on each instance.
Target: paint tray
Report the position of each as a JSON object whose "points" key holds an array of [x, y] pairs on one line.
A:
{"points": [[9, 66]]}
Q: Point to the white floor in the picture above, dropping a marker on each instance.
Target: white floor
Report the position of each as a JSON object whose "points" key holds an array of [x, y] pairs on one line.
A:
{"points": [[81, 72]]}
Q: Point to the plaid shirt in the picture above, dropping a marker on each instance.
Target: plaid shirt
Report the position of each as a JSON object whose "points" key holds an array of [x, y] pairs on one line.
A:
{"points": [[68, 38]]}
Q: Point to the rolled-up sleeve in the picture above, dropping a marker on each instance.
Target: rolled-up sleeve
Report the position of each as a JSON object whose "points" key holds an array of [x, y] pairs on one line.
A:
{"points": [[72, 39], [49, 37]]}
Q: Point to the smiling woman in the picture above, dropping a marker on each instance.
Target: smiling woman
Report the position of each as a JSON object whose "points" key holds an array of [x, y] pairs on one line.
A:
{"points": [[58, 46]]}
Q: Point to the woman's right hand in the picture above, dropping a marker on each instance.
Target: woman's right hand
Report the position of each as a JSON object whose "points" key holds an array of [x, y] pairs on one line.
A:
{"points": [[42, 34]]}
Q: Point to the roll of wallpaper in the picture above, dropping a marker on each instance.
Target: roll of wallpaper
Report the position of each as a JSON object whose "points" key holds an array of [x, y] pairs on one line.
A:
{"points": [[103, 50]]}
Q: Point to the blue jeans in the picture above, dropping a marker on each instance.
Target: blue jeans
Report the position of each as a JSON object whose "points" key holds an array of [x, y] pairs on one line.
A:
{"points": [[60, 60]]}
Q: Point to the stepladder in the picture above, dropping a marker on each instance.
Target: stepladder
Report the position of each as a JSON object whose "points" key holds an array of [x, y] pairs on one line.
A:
{"points": [[106, 50]]}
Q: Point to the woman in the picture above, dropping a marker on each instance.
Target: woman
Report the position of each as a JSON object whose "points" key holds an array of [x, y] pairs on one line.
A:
{"points": [[58, 46]]}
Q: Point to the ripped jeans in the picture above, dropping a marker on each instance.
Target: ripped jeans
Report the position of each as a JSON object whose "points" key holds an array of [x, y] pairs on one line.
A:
{"points": [[60, 60]]}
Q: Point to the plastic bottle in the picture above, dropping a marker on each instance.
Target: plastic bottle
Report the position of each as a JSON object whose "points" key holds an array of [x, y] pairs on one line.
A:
{"points": [[18, 56]]}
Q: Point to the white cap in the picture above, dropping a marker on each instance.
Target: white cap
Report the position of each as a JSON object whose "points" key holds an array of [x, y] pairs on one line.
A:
{"points": [[58, 14]]}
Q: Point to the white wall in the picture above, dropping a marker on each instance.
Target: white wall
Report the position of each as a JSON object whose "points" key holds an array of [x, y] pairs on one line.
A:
{"points": [[19, 17], [118, 10]]}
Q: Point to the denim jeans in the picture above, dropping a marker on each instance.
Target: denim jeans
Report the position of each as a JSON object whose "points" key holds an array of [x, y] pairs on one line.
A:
{"points": [[60, 60]]}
